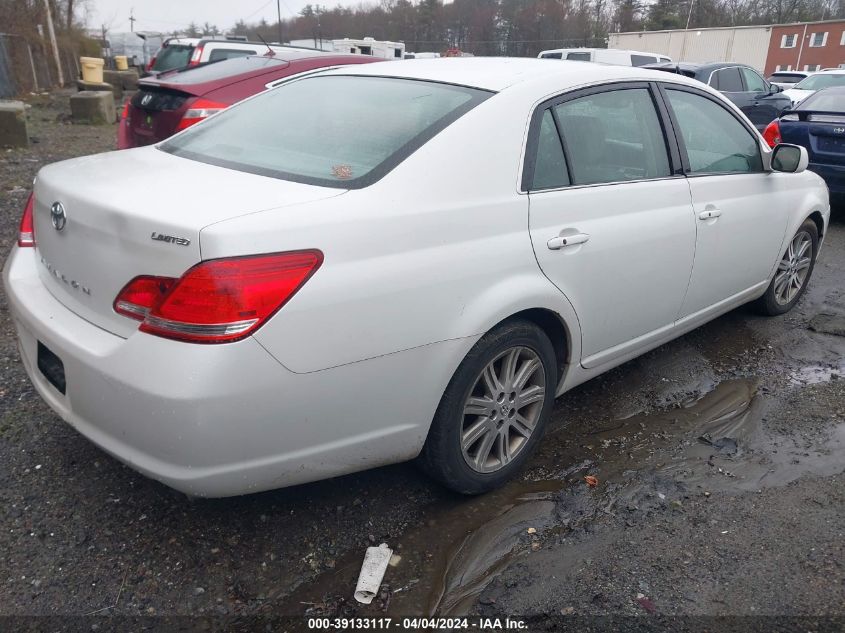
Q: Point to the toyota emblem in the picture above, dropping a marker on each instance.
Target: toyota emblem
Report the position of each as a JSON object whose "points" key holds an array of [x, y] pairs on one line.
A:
{"points": [[58, 216]]}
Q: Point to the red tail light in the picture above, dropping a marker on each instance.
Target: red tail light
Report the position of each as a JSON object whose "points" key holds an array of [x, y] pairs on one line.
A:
{"points": [[772, 133], [219, 300], [196, 56], [26, 233], [141, 294], [124, 115], [199, 110]]}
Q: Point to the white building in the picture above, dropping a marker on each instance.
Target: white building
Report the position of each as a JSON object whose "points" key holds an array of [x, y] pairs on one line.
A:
{"points": [[744, 44]]}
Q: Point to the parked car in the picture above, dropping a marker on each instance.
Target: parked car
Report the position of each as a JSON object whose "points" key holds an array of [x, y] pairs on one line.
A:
{"points": [[786, 78], [818, 124], [760, 100], [139, 47], [614, 56], [178, 99], [816, 81], [342, 272], [185, 52]]}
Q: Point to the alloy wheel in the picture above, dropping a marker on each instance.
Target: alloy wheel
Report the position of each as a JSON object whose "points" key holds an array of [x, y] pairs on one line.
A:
{"points": [[793, 268], [502, 409]]}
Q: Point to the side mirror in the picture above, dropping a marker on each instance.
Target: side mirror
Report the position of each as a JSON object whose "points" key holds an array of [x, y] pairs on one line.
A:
{"points": [[792, 159], [774, 89]]}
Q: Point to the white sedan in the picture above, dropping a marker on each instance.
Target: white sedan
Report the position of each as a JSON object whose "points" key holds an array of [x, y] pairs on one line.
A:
{"points": [[387, 262], [817, 81]]}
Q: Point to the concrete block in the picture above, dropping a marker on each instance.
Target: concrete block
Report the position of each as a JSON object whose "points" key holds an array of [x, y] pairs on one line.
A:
{"points": [[85, 86], [13, 124], [93, 106], [129, 79]]}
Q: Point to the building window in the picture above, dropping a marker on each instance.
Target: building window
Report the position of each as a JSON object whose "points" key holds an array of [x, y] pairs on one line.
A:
{"points": [[781, 68], [817, 40], [811, 67], [842, 39], [788, 41]]}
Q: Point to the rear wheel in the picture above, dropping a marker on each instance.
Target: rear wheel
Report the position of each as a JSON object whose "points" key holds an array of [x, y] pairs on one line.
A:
{"points": [[494, 410], [793, 272]]}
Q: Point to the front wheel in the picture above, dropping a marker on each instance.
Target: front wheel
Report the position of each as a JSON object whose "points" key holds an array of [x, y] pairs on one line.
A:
{"points": [[494, 410], [793, 272]]}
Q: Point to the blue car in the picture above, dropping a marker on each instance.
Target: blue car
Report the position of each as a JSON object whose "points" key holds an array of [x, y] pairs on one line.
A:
{"points": [[817, 123]]}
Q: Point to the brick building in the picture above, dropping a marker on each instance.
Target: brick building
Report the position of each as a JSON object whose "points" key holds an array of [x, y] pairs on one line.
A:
{"points": [[806, 46], [799, 46]]}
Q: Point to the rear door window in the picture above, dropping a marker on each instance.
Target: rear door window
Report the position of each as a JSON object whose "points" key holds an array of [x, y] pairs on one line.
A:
{"points": [[552, 56], [550, 164], [613, 136], [727, 80], [715, 141], [578, 57]]}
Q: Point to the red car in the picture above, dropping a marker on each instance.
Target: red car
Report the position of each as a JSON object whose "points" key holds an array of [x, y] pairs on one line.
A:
{"points": [[176, 100]]}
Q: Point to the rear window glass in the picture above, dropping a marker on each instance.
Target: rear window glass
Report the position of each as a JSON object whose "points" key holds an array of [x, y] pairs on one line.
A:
{"points": [[642, 60], [821, 80], [786, 78], [335, 131], [227, 53], [224, 68], [173, 56], [824, 102]]}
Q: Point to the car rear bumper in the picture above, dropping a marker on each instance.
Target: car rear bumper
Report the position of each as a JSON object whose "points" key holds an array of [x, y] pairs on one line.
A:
{"points": [[220, 420], [833, 175]]}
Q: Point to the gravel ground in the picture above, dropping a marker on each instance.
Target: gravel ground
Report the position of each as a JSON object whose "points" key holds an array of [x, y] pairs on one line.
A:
{"points": [[718, 461]]}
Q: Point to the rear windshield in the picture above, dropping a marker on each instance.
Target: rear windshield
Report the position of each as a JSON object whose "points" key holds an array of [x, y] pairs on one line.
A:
{"points": [[225, 68], [173, 56], [642, 60], [822, 80], [228, 53], [335, 131], [786, 78], [824, 101]]}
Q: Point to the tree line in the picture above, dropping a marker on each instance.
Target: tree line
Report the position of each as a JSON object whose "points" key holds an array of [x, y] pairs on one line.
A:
{"points": [[521, 27]]}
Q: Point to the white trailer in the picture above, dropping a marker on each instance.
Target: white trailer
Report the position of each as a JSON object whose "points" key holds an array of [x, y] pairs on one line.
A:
{"points": [[370, 46]]}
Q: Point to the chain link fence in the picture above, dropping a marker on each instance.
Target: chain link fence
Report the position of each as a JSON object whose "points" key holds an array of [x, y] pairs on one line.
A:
{"points": [[29, 65]]}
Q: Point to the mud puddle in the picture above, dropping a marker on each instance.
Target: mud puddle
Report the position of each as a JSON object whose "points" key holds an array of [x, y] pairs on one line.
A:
{"points": [[716, 442]]}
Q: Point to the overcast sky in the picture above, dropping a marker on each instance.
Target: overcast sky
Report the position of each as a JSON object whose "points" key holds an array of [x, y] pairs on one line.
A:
{"points": [[167, 15]]}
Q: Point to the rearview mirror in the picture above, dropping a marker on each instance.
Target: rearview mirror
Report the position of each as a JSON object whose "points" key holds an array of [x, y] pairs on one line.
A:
{"points": [[792, 159]]}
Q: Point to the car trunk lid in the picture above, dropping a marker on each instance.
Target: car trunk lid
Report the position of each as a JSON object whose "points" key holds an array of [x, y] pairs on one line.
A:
{"points": [[116, 228], [822, 133]]}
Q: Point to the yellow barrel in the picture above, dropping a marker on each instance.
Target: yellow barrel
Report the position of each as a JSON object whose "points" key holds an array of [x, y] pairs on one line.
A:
{"points": [[92, 69], [120, 62]]}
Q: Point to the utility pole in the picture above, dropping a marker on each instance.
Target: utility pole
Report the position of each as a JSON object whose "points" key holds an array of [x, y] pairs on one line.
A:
{"points": [[279, 14], [132, 19], [52, 33]]}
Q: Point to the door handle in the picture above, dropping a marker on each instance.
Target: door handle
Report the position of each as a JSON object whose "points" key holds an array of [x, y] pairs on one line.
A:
{"points": [[558, 242], [709, 214]]}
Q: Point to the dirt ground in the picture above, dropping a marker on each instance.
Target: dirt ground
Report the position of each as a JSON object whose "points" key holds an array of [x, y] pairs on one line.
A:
{"points": [[719, 459]]}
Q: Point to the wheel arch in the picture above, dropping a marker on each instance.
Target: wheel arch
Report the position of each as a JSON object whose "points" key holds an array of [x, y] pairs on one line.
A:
{"points": [[818, 220], [555, 327]]}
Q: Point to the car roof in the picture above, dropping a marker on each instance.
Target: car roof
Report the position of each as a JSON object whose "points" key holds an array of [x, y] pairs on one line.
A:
{"points": [[209, 76], [498, 73]]}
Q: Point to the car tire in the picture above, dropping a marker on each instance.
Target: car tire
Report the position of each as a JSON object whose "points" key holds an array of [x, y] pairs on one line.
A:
{"points": [[793, 272], [499, 401]]}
